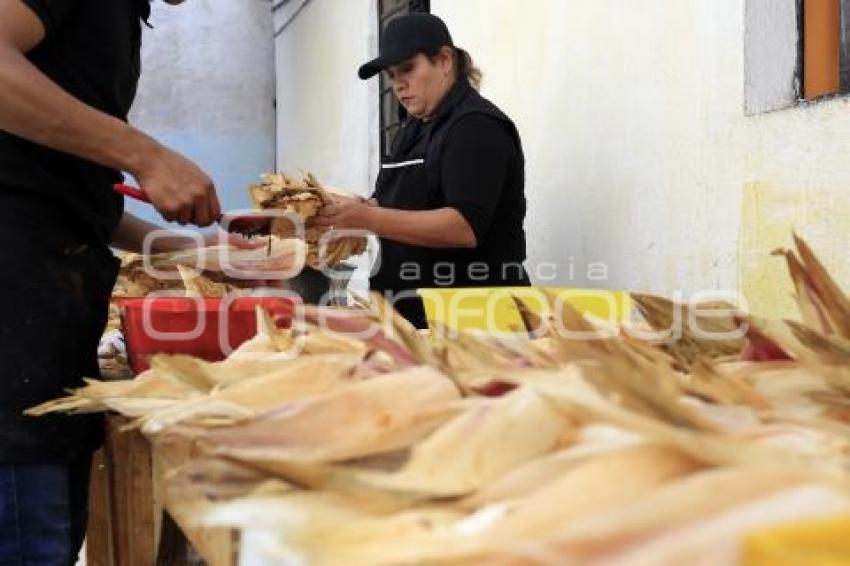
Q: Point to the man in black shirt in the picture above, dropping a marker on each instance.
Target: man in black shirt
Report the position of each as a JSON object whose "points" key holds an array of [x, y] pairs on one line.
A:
{"points": [[68, 75]]}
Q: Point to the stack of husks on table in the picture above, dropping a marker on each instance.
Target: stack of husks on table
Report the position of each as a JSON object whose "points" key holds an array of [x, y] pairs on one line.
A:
{"points": [[530, 448]]}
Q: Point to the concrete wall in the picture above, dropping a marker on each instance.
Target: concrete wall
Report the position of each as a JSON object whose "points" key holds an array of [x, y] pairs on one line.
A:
{"points": [[207, 90], [327, 117], [640, 153]]}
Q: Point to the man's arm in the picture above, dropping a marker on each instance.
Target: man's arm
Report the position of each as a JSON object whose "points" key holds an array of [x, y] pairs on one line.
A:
{"points": [[35, 108], [132, 231]]}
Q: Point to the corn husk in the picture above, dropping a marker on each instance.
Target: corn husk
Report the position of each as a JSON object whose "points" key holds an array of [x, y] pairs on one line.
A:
{"points": [[198, 285], [664, 315], [374, 417], [475, 448], [591, 441], [281, 255], [351, 438], [681, 503], [822, 303], [716, 539], [134, 398], [243, 390]]}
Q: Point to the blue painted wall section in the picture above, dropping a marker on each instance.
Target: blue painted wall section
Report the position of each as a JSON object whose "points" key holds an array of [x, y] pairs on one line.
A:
{"points": [[233, 160]]}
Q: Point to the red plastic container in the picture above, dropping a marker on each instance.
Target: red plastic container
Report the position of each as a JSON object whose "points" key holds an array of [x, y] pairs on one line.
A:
{"points": [[206, 328]]}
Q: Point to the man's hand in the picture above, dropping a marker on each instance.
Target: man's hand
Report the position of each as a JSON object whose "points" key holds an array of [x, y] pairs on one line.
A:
{"points": [[179, 190]]}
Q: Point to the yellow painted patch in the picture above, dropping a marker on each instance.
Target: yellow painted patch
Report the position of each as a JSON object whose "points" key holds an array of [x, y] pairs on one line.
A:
{"points": [[769, 215]]}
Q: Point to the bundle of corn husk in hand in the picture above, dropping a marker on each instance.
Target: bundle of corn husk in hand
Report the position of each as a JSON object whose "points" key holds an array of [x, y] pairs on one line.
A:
{"points": [[302, 200], [352, 439]]}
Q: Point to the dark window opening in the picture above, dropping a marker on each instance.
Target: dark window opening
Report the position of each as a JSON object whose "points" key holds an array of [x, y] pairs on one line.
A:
{"points": [[392, 114]]}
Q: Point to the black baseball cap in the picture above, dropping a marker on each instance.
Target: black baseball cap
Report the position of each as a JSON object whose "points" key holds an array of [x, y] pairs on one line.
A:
{"points": [[406, 36]]}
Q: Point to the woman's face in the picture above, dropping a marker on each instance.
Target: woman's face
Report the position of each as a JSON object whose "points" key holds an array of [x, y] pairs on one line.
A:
{"points": [[421, 84]]}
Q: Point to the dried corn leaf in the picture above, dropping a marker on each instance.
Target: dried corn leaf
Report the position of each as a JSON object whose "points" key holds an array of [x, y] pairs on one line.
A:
{"points": [[822, 302], [133, 398], [377, 415], [363, 326], [595, 486], [532, 322], [475, 448], [701, 328], [581, 401], [593, 440], [325, 528], [827, 350], [283, 255], [241, 390], [681, 503], [717, 538], [450, 537], [197, 284]]}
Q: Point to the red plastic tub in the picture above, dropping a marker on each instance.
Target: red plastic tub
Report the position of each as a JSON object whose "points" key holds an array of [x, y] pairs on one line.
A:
{"points": [[206, 328]]}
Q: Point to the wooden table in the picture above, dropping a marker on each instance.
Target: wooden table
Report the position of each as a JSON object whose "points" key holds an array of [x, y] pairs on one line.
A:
{"points": [[132, 523]]}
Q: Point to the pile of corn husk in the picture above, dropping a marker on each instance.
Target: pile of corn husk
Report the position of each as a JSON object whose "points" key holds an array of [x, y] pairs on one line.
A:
{"points": [[360, 441], [302, 200], [213, 271], [205, 271]]}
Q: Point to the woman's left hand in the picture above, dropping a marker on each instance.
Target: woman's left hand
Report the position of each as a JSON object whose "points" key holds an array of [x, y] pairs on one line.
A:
{"points": [[345, 214]]}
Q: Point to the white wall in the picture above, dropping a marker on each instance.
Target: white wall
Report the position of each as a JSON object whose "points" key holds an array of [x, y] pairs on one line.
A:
{"points": [[327, 117], [207, 90], [771, 42], [640, 153]]}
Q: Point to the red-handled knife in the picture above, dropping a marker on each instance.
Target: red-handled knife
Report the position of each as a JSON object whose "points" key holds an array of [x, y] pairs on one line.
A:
{"points": [[248, 225], [132, 192]]}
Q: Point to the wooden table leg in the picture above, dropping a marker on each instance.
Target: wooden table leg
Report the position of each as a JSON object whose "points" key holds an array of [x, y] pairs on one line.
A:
{"points": [[122, 526], [126, 510], [99, 534]]}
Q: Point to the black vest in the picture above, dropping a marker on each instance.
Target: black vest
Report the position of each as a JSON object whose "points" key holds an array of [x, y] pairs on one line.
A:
{"points": [[468, 101]]}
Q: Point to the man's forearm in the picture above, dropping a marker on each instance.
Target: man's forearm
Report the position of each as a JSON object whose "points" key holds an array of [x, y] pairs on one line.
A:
{"points": [[132, 231], [35, 108], [441, 228]]}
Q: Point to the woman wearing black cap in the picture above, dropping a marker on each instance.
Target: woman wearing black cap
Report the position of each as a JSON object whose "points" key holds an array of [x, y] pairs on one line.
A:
{"points": [[449, 203]]}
